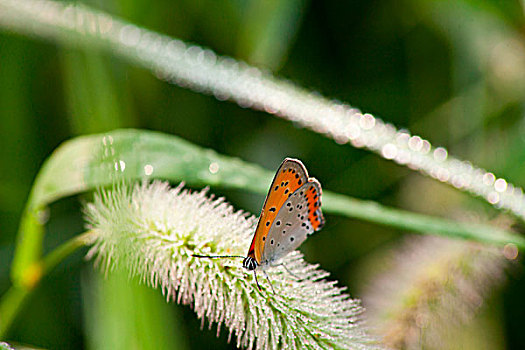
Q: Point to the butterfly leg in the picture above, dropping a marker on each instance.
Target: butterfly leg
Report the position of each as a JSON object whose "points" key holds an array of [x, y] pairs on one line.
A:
{"points": [[257, 282], [290, 272], [268, 278]]}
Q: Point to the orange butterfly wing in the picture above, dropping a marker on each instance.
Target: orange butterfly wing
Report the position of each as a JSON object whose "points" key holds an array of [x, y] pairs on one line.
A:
{"points": [[289, 177], [313, 198]]}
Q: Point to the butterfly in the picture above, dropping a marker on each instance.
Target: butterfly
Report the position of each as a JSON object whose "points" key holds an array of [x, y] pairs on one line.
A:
{"points": [[290, 213]]}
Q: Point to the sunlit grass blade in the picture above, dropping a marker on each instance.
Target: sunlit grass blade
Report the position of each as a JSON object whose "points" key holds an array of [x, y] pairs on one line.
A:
{"points": [[204, 71]]}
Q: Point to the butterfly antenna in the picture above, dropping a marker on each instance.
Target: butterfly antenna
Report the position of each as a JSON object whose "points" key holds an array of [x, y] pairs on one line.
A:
{"points": [[268, 278], [217, 256]]}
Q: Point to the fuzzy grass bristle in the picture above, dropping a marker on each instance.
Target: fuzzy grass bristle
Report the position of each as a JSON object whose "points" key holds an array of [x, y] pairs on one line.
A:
{"points": [[152, 231]]}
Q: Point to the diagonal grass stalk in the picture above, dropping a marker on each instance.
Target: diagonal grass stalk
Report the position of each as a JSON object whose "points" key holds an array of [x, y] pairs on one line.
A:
{"points": [[202, 70]]}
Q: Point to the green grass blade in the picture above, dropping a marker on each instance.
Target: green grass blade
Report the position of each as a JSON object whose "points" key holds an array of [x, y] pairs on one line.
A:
{"points": [[122, 314], [268, 29]]}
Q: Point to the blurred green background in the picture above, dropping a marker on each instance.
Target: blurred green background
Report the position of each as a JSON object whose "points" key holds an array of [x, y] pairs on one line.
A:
{"points": [[452, 72]]}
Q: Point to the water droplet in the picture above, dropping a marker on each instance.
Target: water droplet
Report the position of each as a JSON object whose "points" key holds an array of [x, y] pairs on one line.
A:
{"points": [[107, 140], [488, 179], [415, 143], [367, 121], [353, 131], [130, 35], [148, 169], [402, 138], [214, 167], [403, 157], [440, 154], [458, 181], [105, 23], [500, 185], [425, 148], [120, 165], [493, 198], [443, 175], [510, 251], [389, 151]]}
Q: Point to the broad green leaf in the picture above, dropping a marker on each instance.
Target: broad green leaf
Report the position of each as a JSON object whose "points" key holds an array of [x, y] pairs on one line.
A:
{"points": [[86, 162]]}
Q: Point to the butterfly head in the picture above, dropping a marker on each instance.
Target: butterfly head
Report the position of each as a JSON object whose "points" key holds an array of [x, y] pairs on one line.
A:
{"points": [[249, 263]]}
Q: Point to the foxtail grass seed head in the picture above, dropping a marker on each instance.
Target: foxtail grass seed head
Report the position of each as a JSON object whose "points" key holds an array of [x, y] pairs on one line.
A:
{"points": [[152, 231], [431, 286]]}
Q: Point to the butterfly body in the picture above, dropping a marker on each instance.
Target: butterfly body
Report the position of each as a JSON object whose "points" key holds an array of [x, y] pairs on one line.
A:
{"points": [[291, 212]]}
